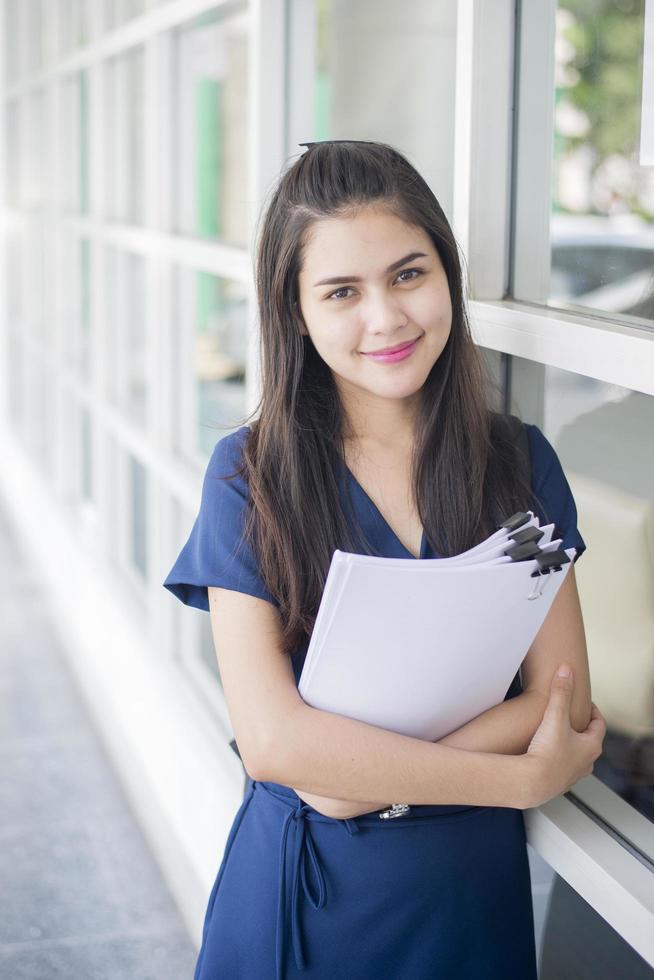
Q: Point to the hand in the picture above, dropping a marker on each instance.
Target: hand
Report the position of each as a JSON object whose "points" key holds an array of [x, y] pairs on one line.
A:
{"points": [[338, 809], [560, 755]]}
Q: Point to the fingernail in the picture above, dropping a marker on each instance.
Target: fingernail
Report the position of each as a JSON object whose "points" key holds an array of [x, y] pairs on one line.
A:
{"points": [[563, 672]]}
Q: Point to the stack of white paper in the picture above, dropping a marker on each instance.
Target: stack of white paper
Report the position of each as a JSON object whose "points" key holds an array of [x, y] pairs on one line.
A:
{"points": [[421, 646]]}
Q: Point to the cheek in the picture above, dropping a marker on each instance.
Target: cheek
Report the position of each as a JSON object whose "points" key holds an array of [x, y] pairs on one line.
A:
{"points": [[337, 338]]}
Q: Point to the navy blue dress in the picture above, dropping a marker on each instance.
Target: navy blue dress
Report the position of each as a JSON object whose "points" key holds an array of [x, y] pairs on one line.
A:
{"points": [[443, 891]]}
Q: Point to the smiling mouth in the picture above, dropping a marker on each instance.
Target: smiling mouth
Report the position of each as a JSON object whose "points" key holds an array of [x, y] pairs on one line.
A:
{"points": [[392, 350]]}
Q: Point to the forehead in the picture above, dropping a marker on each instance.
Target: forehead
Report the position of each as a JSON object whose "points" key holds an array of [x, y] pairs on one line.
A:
{"points": [[372, 237]]}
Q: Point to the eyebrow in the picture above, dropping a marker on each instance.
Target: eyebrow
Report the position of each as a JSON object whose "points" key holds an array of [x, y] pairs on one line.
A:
{"points": [[335, 280]]}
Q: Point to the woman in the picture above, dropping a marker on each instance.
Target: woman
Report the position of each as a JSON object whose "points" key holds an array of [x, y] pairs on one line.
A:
{"points": [[395, 455]]}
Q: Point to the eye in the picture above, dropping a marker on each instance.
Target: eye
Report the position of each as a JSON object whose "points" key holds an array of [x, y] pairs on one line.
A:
{"points": [[344, 289], [420, 272]]}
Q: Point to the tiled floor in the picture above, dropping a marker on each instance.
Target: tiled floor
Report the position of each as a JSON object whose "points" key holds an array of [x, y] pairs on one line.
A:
{"points": [[81, 895]]}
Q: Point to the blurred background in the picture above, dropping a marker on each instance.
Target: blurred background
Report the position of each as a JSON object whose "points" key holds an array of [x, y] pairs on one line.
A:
{"points": [[139, 141]]}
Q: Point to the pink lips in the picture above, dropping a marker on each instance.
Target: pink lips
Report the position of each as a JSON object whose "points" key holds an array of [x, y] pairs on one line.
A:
{"points": [[397, 355]]}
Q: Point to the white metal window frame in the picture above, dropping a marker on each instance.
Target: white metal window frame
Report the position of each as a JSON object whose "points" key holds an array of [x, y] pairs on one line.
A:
{"points": [[495, 162]]}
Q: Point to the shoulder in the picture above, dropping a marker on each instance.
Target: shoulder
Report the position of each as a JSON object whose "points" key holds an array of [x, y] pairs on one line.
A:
{"points": [[545, 463], [228, 451], [551, 489], [226, 459]]}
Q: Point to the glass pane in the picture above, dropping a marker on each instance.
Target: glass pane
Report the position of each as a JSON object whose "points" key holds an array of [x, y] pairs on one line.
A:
{"points": [[125, 122], [14, 266], [16, 353], [210, 364], [37, 401], [74, 143], [599, 432], [85, 334], [13, 151], [579, 944], [211, 145], [138, 515], [74, 24], [12, 49], [35, 271], [602, 222], [32, 164], [127, 312], [118, 11], [376, 69], [33, 20], [75, 299], [86, 453]]}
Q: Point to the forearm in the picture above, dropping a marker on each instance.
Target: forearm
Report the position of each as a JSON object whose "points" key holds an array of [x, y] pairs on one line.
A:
{"points": [[338, 757], [507, 728]]}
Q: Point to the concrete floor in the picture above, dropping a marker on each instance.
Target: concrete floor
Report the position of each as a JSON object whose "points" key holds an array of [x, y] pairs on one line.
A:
{"points": [[81, 894]]}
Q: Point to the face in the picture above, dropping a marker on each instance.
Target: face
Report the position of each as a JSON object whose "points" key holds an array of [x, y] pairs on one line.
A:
{"points": [[386, 295]]}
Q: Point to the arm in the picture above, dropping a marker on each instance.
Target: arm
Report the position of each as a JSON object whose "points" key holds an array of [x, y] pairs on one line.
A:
{"points": [[508, 727], [282, 739]]}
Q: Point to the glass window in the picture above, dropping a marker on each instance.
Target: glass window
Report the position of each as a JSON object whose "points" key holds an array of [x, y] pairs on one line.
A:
{"points": [[124, 137], [126, 328], [74, 144], [76, 300], [370, 63], [35, 237], [572, 940], [602, 215], [16, 354], [34, 35], [116, 12], [37, 400], [13, 67], [14, 267], [211, 123], [603, 436], [86, 454], [74, 24], [209, 369], [13, 137], [31, 172], [138, 538]]}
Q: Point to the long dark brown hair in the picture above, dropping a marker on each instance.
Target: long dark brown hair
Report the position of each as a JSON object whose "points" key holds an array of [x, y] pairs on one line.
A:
{"points": [[465, 469]]}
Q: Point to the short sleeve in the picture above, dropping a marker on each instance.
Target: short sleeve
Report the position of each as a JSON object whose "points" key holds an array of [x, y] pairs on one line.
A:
{"points": [[216, 552], [553, 492]]}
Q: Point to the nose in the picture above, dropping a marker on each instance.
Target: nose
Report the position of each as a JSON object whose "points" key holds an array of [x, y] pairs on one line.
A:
{"points": [[384, 315]]}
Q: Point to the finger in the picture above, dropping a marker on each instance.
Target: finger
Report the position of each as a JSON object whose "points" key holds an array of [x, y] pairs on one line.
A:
{"points": [[561, 687], [597, 727]]}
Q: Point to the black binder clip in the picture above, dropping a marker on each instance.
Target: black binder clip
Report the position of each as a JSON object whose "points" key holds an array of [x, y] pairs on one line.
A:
{"points": [[548, 561], [514, 522], [527, 534], [523, 552]]}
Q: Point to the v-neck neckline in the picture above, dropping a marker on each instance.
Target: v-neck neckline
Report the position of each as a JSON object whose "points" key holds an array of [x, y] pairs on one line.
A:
{"points": [[371, 503]]}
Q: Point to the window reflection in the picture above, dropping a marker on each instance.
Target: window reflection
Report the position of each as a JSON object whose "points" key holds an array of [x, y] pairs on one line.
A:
{"points": [[138, 538], [211, 77], [73, 136], [602, 223], [373, 74], [127, 325], [124, 141], [116, 12], [211, 358], [603, 436]]}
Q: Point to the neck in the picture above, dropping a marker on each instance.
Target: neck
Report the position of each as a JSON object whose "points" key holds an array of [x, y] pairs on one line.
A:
{"points": [[384, 424]]}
